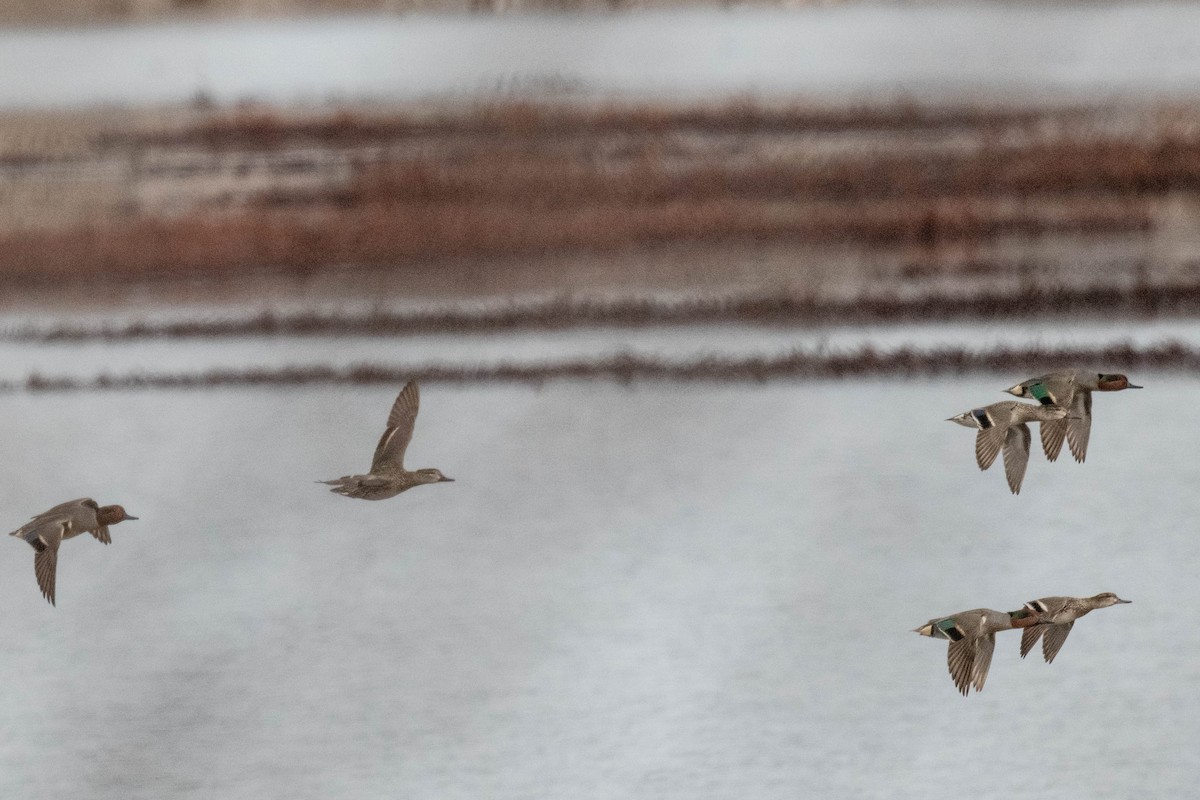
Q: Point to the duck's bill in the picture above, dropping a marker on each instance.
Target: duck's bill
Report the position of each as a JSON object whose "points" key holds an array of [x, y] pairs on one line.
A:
{"points": [[444, 479], [126, 517], [1134, 386], [1119, 600]]}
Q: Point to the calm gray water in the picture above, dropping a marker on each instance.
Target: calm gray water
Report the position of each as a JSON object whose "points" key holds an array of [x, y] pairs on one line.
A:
{"points": [[686, 342], [1065, 50], [660, 591]]}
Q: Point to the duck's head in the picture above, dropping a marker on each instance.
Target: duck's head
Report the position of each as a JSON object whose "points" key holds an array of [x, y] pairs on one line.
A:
{"points": [[111, 515], [1113, 382], [1106, 599], [432, 475]]}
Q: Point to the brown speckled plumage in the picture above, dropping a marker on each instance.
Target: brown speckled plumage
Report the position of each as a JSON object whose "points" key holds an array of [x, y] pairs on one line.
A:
{"points": [[388, 477], [1056, 617]]}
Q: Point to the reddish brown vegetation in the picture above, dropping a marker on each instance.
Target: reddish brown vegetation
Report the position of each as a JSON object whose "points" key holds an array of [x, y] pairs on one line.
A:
{"points": [[1122, 168], [522, 120], [394, 234], [523, 180]]}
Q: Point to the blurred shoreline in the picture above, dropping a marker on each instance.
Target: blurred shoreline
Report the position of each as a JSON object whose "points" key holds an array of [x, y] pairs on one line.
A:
{"points": [[816, 204], [629, 367]]}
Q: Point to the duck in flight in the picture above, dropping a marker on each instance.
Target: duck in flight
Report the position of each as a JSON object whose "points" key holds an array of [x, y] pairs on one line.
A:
{"points": [[1056, 615], [1073, 391], [972, 637], [47, 530], [1003, 426], [388, 477]]}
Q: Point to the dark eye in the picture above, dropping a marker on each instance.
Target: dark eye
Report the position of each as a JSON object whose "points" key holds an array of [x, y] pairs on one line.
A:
{"points": [[1100, 376]]}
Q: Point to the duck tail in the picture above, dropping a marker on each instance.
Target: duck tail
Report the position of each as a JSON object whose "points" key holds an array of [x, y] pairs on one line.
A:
{"points": [[31, 537]]}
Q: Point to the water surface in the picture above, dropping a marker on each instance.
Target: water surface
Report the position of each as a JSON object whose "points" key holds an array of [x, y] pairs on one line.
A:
{"points": [[866, 50], [671, 343], [658, 591]]}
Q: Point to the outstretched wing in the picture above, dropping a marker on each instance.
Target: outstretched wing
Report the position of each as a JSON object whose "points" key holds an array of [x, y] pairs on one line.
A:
{"points": [[1016, 455], [1079, 425], [1053, 433], [1055, 636], [45, 560], [1029, 638], [960, 658], [984, 647], [101, 533], [987, 445], [389, 453]]}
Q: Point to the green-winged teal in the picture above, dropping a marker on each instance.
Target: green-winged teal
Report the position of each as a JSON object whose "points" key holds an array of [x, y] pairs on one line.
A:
{"points": [[1056, 615], [46, 531], [1002, 425], [1071, 390], [388, 477], [972, 637]]}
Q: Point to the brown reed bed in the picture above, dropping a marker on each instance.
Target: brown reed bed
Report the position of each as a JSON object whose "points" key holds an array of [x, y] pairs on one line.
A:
{"points": [[527, 181], [391, 235], [1080, 168], [799, 365], [1137, 302], [269, 129]]}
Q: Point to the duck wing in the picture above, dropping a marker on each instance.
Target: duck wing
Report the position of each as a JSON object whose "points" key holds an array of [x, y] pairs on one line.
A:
{"points": [[1029, 638], [984, 647], [1079, 425], [1016, 455], [45, 560], [101, 533], [987, 445], [1055, 636], [960, 658], [1055, 389], [1054, 432], [389, 453]]}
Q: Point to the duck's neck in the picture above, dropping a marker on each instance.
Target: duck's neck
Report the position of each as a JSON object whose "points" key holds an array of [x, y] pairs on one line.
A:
{"points": [[1092, 603]]}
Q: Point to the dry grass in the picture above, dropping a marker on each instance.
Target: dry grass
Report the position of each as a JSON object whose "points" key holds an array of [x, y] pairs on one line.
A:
{"points": [[491, 172], [394, 234], [519, 120], [527, 181]]}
